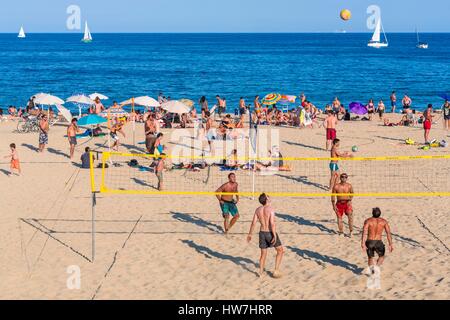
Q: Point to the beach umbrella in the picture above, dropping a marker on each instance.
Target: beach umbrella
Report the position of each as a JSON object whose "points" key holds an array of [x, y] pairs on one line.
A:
{"points": [[358, 108], [91, 120], [47, 99], [176, 107], [271, 99], [187, 102], [80, 100], [65, 113], [114, 112], [144, 101], [445, 96], [96, 95]]}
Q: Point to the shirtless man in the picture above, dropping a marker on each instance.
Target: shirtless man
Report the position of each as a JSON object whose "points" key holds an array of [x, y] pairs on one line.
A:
{"points": [[43, 133], [343, 204], [151, 127], [406, 101], [268, 236], [334, 166], [372, 239], [72, 131], [228, 204], [330, 127], [393, 101], [220, 105]]}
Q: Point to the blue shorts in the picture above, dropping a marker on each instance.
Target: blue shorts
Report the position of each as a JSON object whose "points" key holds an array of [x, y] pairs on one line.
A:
{"points": [[229, 208], [334, 167]]}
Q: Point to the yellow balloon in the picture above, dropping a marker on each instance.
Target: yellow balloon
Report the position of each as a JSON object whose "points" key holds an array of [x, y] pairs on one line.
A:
{"points": [[346, 15]]}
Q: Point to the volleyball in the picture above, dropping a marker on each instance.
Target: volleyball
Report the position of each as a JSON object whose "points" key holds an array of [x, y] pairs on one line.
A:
{"points": [[346, 15], [355, 149]]}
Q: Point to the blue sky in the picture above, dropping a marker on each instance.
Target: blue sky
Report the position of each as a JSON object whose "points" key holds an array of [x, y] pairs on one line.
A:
{"points": [[224, 15]]}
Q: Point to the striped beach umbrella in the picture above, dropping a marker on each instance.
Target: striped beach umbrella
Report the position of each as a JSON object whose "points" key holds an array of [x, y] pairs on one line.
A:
{"points": [[271, 99]]}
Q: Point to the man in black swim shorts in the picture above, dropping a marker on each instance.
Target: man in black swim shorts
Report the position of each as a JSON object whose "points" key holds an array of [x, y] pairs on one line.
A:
{"points": [[372, 239], [268, 236]]}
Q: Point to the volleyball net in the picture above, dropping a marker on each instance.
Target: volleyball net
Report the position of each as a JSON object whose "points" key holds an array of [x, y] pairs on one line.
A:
{"points": [[406, 176]]}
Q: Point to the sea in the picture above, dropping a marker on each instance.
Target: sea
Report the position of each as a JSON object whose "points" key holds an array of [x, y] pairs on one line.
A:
{"points": [[321, 65]]}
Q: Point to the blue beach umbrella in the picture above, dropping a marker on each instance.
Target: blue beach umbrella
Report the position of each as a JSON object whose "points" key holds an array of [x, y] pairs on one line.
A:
{"points": [[91, 120]]}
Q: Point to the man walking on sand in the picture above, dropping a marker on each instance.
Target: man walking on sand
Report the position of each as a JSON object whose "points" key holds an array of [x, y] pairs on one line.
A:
{"points": [[228, 205], [342, 203], [43, 133], [330, 127], [72, 131], [372, 239], [268, 236]]}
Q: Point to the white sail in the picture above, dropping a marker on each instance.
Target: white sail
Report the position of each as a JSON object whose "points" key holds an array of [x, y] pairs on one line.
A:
{"points": [[376, 35], [21, 33], [87, 34]]}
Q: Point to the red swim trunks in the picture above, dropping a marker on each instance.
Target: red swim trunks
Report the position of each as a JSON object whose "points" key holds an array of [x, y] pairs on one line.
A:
{"points": [[344, 207], [427, 125], [331, 134], [15, 164]]}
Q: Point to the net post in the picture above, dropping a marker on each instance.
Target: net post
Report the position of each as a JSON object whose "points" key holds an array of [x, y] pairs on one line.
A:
{"points": [[94, 204]]}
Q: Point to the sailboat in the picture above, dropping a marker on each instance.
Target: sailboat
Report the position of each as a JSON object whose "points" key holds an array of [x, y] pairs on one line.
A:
{"points": [[421, 45], [375, 42], [87, 34], [21, 33]]}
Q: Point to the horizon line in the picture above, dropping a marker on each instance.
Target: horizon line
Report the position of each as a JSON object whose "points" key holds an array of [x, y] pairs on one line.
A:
{"points": [[240, 32]]}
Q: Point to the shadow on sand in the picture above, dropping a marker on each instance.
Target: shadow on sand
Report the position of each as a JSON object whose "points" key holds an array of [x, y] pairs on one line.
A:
{"points": [[182, 217], [210, 254], [323, 260], [304, 222]]}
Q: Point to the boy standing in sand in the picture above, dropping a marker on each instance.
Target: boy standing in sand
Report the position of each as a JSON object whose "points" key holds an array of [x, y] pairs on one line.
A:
{"points": [[268, 236], [15, 164], [227, 203], [334, 164], [330, 127], [372, 239], [342, 204], [427, 123], [72, 131]]}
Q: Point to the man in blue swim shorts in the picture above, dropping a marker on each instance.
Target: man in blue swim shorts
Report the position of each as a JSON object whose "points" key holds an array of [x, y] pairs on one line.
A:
{"points": [[334, 166], [228, 204]]}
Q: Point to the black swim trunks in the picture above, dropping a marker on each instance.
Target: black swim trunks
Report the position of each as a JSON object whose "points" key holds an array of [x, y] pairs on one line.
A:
{"points": [[265, 240], [375, 246]]}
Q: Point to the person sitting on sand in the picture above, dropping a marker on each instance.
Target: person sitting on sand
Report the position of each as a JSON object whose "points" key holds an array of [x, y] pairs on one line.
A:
{"points": [[372, 242], [342, 204], [232, 161], [228, 205], [268, 236], [86, 159]]}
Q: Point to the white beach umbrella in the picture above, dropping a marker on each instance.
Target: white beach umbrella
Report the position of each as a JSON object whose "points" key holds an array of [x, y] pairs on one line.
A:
{"points": [[144, 101], [176, 107], [98, 95], [47, 99], [81, 99], [65, 113]]}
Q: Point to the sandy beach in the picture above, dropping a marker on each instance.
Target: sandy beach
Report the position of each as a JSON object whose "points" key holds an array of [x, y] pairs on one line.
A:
{"points": [[171, 247]]}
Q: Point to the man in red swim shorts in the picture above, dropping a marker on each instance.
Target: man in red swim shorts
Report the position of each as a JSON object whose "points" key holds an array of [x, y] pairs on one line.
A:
{"points": [[427, 122], [330, 125], [342, 203]]}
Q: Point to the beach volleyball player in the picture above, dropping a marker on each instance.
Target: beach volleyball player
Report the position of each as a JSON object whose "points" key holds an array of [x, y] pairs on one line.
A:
{"points": [[228, 204]]}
